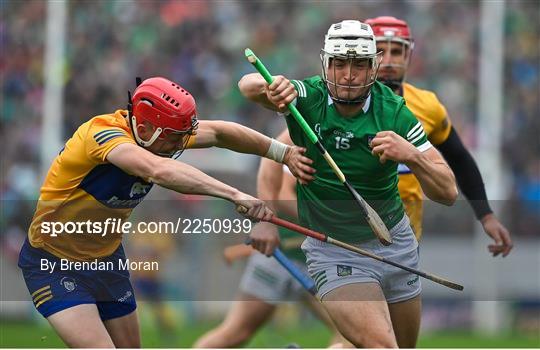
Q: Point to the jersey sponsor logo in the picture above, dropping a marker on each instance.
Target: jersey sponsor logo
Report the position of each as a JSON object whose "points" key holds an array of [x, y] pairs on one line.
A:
{"points": [[68, 283], [343, 270], [345, 134], [403, 169], [115, 202], [115, 188]]}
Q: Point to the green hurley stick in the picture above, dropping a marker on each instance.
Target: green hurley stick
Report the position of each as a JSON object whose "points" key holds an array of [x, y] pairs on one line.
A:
{"points": [[254, 60], [371, 216]]}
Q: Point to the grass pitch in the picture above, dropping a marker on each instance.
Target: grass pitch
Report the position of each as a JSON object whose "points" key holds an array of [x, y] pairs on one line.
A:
{"points": [[40, 335]]}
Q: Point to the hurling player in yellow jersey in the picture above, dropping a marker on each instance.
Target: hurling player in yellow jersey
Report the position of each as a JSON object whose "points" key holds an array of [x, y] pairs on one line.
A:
{"points": [[77, 279], [396, 44]]}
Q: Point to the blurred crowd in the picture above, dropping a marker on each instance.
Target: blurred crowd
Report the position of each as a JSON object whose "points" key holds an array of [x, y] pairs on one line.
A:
{"points": [[200, 45]]}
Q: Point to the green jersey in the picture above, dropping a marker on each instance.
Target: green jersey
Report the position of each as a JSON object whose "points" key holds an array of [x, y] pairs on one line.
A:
{"points": [[324, 204]]}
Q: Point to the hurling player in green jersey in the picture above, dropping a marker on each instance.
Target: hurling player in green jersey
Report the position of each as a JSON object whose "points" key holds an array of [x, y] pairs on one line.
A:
{"points": [[368, 131], [265, 284]]}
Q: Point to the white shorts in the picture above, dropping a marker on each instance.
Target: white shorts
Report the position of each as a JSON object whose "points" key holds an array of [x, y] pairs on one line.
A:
{"points": [[267, 280], [331, 266]]}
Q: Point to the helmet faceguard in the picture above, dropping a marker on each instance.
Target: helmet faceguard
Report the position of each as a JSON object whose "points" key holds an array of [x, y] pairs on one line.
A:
{"points": [[169, 108], [393, 31], [352, 44]]}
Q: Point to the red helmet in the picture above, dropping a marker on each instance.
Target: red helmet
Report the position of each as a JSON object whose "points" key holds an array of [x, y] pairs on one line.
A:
{"points": [[396, 31], [165, 105], [390, 28]]}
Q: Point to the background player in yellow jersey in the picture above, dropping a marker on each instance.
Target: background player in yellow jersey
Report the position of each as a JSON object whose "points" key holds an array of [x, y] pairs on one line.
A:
{"points": [[395, 42], [104, 171]]}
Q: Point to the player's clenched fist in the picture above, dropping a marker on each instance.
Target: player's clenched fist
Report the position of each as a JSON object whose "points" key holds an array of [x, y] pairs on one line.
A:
{"points": [[390, 146], [281, 92], [251, 207], [264, 238]]}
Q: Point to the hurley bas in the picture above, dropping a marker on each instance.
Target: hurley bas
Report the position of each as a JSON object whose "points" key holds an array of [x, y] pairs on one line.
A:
{"points": [[96, 265]]}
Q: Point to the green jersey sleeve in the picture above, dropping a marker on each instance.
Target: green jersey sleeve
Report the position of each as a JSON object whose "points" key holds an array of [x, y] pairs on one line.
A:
{"points": [[311, 100], [311, 95], [411, 129]]}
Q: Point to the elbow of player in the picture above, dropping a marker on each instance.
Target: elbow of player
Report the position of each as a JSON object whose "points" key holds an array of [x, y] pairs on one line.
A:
{"points": [[243, 86], [251, 87], [161, 174], [449, 196]]}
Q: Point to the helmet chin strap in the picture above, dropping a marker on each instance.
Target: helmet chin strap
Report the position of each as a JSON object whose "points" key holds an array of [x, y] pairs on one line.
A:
{"points": [[356, 101], [141, 142], [146, 144]]}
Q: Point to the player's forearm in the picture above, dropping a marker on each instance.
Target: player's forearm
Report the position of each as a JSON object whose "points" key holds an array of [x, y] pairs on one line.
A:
{"points": [[471, 185], [467, 173], [241, 139], [274, 182], [287, 204], [436, 178], [184, 178], [253, 87], [287, 195], [269, 181]]}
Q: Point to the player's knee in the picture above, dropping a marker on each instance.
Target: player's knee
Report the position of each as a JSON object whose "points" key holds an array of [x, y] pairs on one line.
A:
{"points": [[374, 342], [370, 340]]}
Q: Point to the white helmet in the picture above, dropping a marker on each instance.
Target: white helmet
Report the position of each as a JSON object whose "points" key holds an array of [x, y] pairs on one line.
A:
{"points": [[350, 40]]}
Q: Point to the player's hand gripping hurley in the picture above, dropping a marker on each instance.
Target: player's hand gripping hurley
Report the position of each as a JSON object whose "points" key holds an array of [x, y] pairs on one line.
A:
{"points": [[371, 216]]}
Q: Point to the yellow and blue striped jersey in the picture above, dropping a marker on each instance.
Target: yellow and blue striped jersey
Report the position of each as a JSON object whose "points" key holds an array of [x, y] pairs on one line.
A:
{"points": [[431, 113], [82, 185]]}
